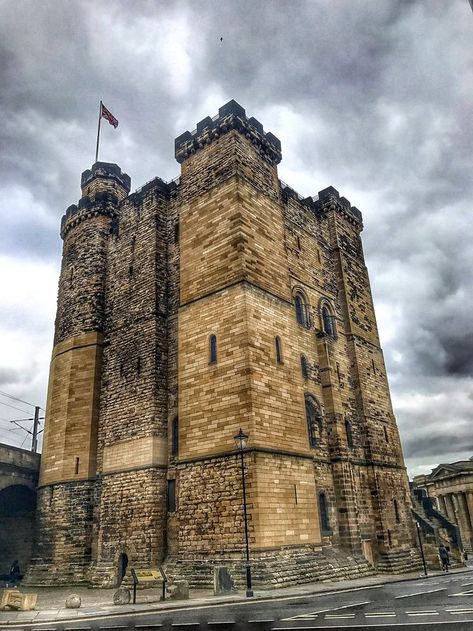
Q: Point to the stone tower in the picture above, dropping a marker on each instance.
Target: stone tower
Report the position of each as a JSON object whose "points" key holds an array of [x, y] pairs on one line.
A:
{"points": [[187, 310]]}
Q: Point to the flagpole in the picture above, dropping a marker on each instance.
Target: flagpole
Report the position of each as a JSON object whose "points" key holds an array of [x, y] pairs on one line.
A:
{"points": [[98, 134]]}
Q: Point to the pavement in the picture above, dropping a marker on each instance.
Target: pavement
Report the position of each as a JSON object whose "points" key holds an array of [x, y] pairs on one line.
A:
{"points": [[97, 603]]}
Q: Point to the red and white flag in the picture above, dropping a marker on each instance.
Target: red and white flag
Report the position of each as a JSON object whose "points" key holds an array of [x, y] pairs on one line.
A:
{"points": [[105, 113]]}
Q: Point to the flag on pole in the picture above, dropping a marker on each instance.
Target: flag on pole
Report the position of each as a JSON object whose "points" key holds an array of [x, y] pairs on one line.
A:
{"points": [[105, 113]]}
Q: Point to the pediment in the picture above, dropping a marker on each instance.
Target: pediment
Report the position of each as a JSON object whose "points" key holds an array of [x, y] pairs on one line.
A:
{"points": [[442, 471]]}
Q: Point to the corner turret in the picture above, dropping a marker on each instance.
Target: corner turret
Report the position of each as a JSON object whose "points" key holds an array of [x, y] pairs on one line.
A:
{"points": [[230, 116]]}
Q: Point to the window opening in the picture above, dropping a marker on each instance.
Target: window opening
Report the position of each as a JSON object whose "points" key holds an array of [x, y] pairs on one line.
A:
{"points": [[349, 434], [277, 342], [304, 367], [301, 311], [175, 437], [314, 420], [77, 466], [171, 496], [323, 511], [213, 349], [396, 511], [176, 232], [327, 321]]}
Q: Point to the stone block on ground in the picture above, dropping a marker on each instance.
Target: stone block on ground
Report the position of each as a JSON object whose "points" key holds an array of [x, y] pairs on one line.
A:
{"points": [[14, 600], [223, 580], [73, 601], [122, 596], [178, 590]]}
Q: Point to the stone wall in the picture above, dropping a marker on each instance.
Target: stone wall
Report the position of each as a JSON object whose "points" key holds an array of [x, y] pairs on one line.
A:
{"points": [[153, 275]]}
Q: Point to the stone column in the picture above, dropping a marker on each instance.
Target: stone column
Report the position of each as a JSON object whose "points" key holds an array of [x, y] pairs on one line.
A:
{"points": [[469, 502], [450, 508], [465, 521], [441, 505]]}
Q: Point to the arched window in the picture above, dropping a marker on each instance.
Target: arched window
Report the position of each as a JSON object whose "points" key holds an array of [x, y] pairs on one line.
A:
{"points": [[314, 419], [327, 321], [175, 437], [323, 512], [301, 311], [278, 346], [396, 511], [349, 434], [213, 349], [304, 367]]}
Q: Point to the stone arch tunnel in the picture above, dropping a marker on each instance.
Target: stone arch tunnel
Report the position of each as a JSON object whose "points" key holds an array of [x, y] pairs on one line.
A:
{"points": [[19, 470]]}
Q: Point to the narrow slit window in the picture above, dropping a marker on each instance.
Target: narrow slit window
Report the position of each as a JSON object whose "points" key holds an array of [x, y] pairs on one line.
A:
{"points": [[314, 420], [171, 496], [176, 232], [349, 434], [213, 349], [323, 511], [304, 367], [77, 466], [396, 511], [175, 437], [386, 437], [277, 343]]}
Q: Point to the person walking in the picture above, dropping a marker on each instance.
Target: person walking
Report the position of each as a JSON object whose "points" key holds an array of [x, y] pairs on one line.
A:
{"points": [[444, 557], [14, 575]]}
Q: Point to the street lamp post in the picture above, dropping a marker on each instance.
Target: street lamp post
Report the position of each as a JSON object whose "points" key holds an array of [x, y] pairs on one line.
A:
{"points": [[241, 440]]}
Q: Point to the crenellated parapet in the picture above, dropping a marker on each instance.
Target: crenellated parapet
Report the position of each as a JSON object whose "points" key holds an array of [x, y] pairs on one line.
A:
{"points": [[327, 198], [102, 203], [230, 116], [106, 171], [103, 187]]}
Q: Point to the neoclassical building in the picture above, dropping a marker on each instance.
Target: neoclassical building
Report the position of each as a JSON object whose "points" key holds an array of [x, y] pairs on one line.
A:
{"points": [[451, 485], [186, 311]]}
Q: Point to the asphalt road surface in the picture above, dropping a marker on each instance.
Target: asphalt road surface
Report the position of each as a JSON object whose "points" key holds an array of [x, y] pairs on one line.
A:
{"points": [[441, 602]]}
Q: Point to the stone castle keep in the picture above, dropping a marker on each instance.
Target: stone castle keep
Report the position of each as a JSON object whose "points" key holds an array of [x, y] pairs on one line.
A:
{"points": [[187, 310]]}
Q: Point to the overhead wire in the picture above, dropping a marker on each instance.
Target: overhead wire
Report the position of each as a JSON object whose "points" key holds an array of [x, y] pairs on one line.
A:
{"points": [[10, 396], [15, 408]]}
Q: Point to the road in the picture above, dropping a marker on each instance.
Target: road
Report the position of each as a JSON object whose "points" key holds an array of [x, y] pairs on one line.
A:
{"points": [[443, 602]]}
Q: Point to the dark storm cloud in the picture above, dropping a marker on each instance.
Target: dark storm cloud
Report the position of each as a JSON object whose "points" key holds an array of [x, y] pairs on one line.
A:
{"points": [[371, 97]]}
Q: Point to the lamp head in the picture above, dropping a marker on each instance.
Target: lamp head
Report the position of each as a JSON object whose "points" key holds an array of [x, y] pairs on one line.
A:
{"points": [[241, 440]]}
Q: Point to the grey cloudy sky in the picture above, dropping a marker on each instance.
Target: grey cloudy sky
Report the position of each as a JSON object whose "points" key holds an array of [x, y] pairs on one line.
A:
{"points": [[374, 97]]}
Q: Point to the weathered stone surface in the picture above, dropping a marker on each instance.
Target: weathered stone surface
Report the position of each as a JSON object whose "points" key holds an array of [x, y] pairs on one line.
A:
{"points": [[178, 590], [122, 596], [223, 580], [13, 599], [73, 601], [140, 422]]}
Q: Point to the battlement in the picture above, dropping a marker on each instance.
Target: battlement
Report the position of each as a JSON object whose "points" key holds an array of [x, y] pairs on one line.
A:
{"points": [[326, 196], [102, 203], [106, 170], [230, 116]]}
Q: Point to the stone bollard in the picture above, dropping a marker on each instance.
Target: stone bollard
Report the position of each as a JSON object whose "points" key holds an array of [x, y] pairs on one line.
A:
{"points": [[223, 580], [122, 596], [73, 601]]}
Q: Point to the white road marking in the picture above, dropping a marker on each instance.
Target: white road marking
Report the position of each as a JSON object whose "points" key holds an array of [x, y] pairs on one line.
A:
{"points": [[422, 613], [468, 593], [306, 616], [380, 614], [335, 617], [432, 591]]}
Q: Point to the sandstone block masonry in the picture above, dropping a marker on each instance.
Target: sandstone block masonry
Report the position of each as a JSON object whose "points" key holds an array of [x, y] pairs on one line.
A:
{"points": [[187, 310]]}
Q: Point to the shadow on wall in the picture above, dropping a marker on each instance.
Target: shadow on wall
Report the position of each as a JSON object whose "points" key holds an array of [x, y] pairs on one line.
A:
{"points": [[17, 513]]}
